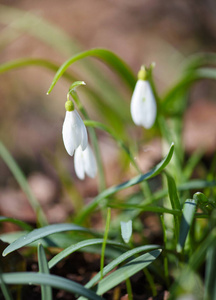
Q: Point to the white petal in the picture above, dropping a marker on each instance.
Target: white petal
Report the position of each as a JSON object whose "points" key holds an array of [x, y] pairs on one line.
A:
{"points": [[70, 137], [136, 101], [74, 132], [143, 104], [79, 163], [90, 162], [82, 132], [149, 108]]}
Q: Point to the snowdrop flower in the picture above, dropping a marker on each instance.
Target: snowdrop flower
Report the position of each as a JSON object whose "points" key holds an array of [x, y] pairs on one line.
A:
{"points": [[85, 162], [143, 104], [74, 132]]}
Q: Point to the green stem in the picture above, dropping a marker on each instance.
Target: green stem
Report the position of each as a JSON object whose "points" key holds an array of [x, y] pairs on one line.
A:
{"points": [[104, 241], [166, 269], [150, 281], [129, 289]]}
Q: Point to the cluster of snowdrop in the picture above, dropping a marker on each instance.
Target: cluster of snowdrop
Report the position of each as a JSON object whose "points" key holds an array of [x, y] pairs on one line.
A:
{"points": [[75, 137]]}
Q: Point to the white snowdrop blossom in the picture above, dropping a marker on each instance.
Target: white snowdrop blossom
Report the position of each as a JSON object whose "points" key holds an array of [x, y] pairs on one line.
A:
{"points": [[85, 162], [74, 132], [143, 104]]}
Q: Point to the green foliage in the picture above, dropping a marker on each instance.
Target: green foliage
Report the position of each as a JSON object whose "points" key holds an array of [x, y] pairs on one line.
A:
{"points": [[184, 204]]}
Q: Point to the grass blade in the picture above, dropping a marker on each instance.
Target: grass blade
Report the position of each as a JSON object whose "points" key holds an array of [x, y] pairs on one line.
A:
{"points": [[106, 56], [186, 221], [112, 190], [69, 250], [116, 262], [105, 241], [175, 203], [46, 290], [41, 233], [210, 278], [18, 174], [128, 270], [5, 290], [22, 224], [51, 280]]}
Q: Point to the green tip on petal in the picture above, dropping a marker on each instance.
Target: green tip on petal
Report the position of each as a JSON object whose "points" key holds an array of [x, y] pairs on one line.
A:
{"points": [[69, 106], [142, 74]]}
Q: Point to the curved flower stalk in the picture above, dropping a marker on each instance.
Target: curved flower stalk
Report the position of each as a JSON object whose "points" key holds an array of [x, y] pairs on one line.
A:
{"points": [[143, 104], [74, 132], [85, 162]]}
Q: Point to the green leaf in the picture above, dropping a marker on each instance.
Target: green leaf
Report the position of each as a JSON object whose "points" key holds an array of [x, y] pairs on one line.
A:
{"points": [[18, 174], [186, 221], [17, 222], [41, 233], [106, 56], [46, 290], [175, 203], [126, 271], [184, 84], [210, 278], [75, 85], [4, 288], [144, 207], [69, 250], [116, 262], [51, 280], [112, 190], [103, 248]]}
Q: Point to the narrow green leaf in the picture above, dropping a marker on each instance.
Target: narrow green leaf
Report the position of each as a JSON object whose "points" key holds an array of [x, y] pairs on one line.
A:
{"points": [[106, 56], [144, 207], [18, 174], [75, 85], [185, 83], [126, 271], [105, 241], [175, 203], [69, 250], [186, 221], [112, 190], [17, 222], [116, 262], [5, 290], [51, 280], [172, 190], [192, 162], [46, 290], [41, 233], [210, 278], [199, 60]]}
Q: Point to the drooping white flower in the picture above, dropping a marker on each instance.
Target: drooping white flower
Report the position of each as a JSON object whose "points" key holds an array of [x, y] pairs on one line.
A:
{"points": [[143, 104], [74, 132], [85, 162]]}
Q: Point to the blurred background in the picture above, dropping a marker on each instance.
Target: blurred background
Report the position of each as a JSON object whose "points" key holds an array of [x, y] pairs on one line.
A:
{"points": [[140, 32]]}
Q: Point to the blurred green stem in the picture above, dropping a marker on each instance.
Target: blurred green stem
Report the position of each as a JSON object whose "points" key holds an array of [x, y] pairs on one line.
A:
{"points": [[104, 241]]}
